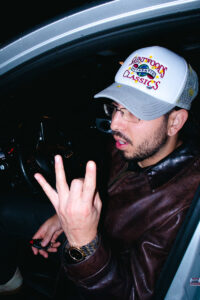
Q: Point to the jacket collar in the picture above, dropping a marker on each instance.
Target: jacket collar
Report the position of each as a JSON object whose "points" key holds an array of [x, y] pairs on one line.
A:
{"points": [[168, 167]]}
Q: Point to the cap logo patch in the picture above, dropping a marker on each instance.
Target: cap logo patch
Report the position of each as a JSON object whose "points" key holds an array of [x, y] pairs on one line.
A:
{"points": [[145, 71]]}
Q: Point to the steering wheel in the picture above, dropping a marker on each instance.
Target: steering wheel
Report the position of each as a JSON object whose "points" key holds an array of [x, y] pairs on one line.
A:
{"points": [[38, 156]]}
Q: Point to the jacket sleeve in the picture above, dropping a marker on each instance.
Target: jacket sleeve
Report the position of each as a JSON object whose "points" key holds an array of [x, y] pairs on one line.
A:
{"points": [[130, 274]]}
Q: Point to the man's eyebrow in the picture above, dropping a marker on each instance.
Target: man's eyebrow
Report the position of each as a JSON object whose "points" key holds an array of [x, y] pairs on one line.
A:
{"points": [[117, 105]]}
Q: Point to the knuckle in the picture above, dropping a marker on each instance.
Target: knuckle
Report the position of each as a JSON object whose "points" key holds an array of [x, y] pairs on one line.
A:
{"points": [[77, 210], [77, 182], [86, 211], [70, 210]]}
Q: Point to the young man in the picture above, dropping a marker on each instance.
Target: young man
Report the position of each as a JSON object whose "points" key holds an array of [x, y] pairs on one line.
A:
{"points": [[148, 194], [152, 183]]}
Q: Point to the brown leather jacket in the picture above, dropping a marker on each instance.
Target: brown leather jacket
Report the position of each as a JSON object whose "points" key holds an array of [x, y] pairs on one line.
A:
{"points": [[145, 210]]}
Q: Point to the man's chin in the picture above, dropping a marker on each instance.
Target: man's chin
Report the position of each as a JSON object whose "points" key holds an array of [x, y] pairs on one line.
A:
{"points": [[126, 156]]}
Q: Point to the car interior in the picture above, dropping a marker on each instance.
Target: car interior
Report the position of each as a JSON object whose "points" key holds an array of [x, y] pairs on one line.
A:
{"points": [[48, 107]]}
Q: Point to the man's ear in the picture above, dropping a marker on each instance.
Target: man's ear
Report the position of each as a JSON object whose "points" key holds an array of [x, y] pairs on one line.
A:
{"points": [[176, 121]]}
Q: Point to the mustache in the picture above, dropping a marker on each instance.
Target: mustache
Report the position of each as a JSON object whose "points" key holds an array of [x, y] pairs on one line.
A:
{"points": [[121, 135]]}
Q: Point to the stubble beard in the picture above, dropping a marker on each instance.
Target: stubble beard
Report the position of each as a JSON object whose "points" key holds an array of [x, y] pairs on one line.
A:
{"points": [[149, 147]]}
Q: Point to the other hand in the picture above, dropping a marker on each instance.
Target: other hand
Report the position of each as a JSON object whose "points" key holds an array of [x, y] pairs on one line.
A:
{"points": [[48, 232]]}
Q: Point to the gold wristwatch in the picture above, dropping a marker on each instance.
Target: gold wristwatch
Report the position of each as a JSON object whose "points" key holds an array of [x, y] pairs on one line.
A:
{"points": [[75, 254]]}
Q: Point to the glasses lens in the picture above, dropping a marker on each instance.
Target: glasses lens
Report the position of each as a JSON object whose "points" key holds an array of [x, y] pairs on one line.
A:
{"points": [[109, 109], [128, 116]]}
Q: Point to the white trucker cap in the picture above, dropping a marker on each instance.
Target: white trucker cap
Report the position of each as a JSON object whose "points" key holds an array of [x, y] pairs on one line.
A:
{"points": [[151, 82]]}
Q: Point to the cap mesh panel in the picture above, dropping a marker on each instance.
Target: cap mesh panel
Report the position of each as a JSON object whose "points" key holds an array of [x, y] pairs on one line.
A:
{"points": [[190, 90]]}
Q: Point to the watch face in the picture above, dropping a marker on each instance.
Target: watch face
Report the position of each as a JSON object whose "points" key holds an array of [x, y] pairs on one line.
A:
{"points": [[76, 254]]}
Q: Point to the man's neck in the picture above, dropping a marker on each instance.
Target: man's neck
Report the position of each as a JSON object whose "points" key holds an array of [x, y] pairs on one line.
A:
{"points": [[168, 148]]}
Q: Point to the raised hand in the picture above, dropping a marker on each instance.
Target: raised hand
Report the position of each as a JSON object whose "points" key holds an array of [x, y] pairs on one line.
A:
{"points": [[77, 207]]}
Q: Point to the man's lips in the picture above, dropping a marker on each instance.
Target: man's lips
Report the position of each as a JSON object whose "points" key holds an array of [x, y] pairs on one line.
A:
{"points": [[121, 140], [118, 136], [121, 143]]}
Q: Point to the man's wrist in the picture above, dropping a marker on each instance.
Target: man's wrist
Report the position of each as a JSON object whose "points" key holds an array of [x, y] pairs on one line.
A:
{"points": [[74, 254]]}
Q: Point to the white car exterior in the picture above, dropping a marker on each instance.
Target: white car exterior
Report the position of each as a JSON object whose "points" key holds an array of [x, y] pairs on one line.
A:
{"points": [[94, 20]]}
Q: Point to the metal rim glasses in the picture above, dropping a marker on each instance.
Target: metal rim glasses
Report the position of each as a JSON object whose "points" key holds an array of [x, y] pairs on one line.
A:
{"points": [[111, 109]]}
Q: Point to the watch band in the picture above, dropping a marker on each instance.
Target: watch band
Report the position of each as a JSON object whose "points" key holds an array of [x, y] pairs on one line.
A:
{"points": [[75, 254]]}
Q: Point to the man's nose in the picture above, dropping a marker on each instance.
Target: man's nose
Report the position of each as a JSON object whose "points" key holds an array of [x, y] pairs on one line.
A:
{"points": [[117, 121]]}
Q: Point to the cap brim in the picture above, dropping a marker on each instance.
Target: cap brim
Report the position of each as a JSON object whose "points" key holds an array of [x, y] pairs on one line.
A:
{"points": [[142, 105]]}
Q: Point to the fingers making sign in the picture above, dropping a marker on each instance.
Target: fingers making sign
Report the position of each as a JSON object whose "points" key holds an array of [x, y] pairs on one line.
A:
{"points": [[78, 206]]}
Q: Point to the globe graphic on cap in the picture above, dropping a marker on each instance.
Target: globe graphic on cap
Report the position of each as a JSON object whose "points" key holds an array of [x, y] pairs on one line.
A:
{"points": [[142, 74]]}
